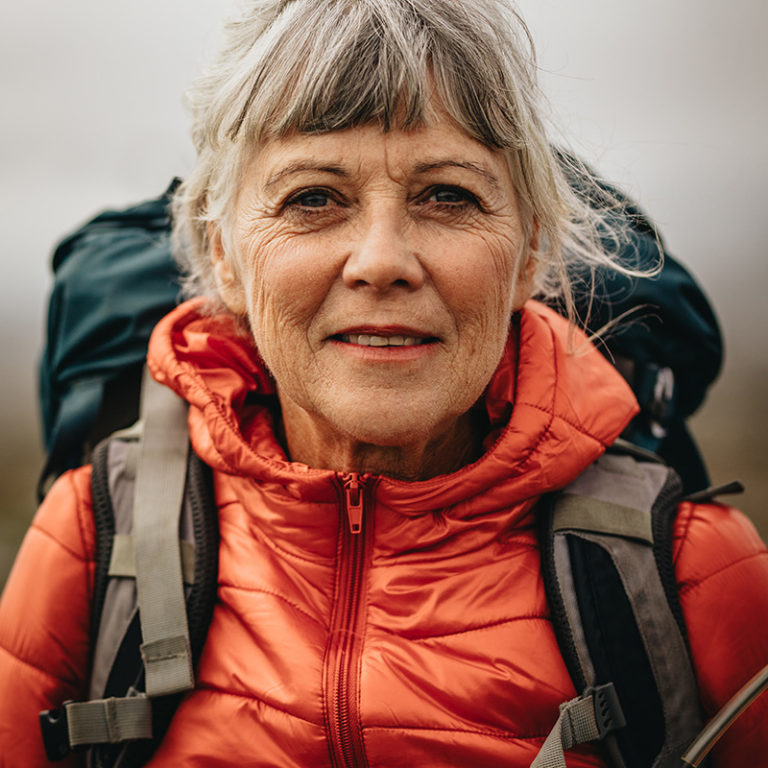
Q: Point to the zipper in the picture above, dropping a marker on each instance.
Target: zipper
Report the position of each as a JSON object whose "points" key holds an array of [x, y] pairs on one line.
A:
{"points": [[342, 658], [353, 489]]}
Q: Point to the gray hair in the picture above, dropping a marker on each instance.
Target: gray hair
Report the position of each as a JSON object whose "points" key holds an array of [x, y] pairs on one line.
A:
{"points": [[323, 65]]}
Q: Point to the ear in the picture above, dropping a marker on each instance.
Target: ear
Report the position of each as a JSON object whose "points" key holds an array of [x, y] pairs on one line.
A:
{"points": [[527, 273], [228, 282]]}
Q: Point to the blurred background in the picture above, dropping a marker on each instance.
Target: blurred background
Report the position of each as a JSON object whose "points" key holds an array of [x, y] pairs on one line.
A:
{"points": [[667, 98]]}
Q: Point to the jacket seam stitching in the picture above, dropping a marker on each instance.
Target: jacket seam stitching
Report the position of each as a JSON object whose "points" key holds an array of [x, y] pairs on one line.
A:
{"points": [[265, 540], [688, 586], [233, 427], [53, 538], [252, 697], [481, 628], [507, 736], [262, 590], [578, 427], [526, 458], [517, 537], [27, 663], [550, 412], [684, 536], [231, 422]]}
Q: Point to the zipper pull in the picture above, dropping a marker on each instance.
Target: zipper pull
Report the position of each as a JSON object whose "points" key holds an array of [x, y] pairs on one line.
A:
{"points": [[354, 491]]}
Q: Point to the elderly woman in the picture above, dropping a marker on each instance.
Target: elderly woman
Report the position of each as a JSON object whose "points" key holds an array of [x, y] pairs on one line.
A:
{"points": [[374, 204]]}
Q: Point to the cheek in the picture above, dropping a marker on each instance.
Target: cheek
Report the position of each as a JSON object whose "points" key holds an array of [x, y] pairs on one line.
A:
{"points": [[482, 286], [485, 281], [283, 294]]}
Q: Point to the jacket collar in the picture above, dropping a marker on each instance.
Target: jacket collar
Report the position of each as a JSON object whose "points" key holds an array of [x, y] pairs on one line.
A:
{"points": [[552, 412]]}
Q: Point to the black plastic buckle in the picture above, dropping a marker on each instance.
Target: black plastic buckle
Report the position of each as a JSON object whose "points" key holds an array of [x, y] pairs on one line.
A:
{"points": [[55, 729], [609, 715]]}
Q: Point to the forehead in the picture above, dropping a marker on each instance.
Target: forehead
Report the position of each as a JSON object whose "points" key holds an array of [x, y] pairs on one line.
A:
{"points": [[369, 149]]}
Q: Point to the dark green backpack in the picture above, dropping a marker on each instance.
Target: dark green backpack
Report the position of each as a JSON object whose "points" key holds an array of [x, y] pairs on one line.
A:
{"points": [[114, 278]]}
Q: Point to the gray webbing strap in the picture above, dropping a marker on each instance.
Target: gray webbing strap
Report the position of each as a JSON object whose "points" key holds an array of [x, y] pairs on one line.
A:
{"points": [[109, 721], [161, 474], [589, 717], [575, 725], [123, 559], [574, 512]]}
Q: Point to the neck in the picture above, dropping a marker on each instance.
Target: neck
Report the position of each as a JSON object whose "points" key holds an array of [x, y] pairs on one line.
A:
{"points": [[315, 443]]}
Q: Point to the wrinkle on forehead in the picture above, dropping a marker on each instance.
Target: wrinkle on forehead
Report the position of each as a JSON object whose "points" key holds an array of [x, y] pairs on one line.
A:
{"points": [[358, 151]]}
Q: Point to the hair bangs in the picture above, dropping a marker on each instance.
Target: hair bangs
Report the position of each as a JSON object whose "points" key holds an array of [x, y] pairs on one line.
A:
{"points": [[361, 63], [356, 68]]}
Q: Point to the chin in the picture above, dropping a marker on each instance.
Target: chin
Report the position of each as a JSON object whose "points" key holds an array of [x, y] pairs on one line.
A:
{"points": [[392, 426], [383, 435]]}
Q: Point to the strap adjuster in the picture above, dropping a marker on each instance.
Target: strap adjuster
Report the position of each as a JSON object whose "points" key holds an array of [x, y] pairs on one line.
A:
{"points": [[609, 715], [55, 730]]}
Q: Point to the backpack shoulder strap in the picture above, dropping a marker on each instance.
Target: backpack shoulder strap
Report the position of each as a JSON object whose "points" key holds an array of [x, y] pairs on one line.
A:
{"points": [[160, 478], [155, 585], [607, 566]]}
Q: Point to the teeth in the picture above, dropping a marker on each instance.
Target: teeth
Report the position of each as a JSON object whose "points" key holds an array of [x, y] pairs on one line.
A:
{"points": [[369, 340]]}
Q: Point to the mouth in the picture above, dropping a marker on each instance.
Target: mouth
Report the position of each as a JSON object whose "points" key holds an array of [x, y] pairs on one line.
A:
{"points": [[383, 340]]}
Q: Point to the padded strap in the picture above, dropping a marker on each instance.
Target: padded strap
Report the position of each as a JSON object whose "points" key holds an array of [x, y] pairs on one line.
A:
{"points": [[123, 560], [109, 721], [586, 718], [159, 497], [602, 562]]}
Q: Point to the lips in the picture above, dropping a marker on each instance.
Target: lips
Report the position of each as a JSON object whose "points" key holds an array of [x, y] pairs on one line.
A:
{"points": [[370, 340], [384, 337]]}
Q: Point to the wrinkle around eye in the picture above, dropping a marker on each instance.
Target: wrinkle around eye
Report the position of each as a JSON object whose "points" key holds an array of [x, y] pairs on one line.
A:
{"points": [[313, 205], [465, 211], [461, 196], [460, 202]]}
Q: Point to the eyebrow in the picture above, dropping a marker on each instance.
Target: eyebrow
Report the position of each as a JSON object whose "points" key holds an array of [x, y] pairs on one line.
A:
{"points": [[466, 165], [298, 167], [419, 169]]}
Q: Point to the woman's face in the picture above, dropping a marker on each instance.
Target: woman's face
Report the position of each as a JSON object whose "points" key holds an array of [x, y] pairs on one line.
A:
{"points": [[378, 272]]}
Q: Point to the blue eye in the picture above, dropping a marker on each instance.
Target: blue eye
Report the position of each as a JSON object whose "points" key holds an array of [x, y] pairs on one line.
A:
{"points": [[314, 198], [451, 196]]}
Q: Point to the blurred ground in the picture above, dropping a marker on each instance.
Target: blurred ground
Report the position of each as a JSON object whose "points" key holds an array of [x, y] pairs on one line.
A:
{"points": [[17, 480]]}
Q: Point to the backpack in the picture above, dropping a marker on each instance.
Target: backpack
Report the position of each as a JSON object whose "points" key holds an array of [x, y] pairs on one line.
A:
{"points": [[606, 544], [114, 279]]}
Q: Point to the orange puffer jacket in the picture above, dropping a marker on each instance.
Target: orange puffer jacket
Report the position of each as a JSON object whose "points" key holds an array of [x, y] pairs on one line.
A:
{"points": [[424, 640]]}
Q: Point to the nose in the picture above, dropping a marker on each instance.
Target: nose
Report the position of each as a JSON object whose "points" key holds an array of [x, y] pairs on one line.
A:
{"points": [[383, 256]]}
